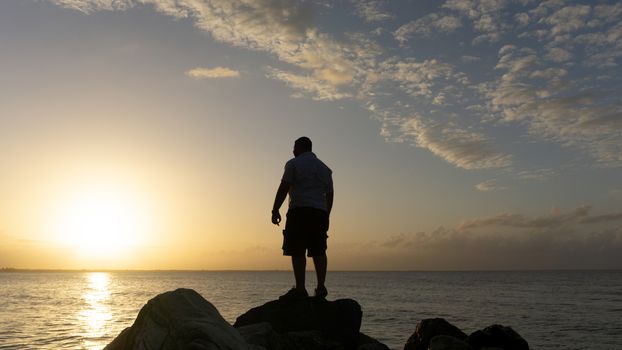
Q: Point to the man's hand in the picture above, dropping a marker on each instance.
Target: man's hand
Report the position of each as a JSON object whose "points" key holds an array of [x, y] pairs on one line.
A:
{"points": [[276, 217]]}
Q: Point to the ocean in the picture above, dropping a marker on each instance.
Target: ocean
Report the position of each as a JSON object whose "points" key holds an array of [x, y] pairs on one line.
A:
{"points": [[550, 309]]}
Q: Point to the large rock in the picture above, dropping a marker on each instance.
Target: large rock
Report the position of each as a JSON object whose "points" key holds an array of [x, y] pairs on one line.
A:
{"points": [[339, 320], [497, 336], [179, 320], [428, 329]]}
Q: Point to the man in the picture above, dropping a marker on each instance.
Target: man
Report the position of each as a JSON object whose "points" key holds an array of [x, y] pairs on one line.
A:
{"points": [[309, 183]]}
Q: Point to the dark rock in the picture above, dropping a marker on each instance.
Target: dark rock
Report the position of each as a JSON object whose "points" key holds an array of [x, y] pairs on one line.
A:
{"points": [[181, 319], [446, 342], [260, 334], [365, 342], [428, 329], [339, 320], [497, 336], [309, 340]]}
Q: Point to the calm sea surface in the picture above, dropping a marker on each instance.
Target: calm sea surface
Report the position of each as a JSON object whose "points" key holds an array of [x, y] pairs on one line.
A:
{"points": [[552, 310]]}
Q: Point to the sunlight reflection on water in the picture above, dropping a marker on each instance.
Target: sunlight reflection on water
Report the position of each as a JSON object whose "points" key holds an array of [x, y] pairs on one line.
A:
{"points": [[97, 314]]}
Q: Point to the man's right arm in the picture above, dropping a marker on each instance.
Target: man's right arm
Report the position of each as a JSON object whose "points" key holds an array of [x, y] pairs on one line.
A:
{"points": [[329, 201], [281, 194]]}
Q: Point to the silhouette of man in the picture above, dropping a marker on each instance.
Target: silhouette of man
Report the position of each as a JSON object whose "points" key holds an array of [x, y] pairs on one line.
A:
{"points": [[309, 183]]}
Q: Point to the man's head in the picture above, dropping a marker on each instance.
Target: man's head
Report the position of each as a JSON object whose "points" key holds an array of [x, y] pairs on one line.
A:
{"points": [[302, 145]]}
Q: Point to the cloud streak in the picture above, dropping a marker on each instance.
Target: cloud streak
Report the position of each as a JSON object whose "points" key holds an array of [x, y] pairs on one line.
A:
{"points": [[212, 73], [559, 240], [462, 148], [555, 219]]}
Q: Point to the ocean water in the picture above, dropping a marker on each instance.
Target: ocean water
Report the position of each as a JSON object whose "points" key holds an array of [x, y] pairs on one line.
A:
{"points": [[551, 310]]}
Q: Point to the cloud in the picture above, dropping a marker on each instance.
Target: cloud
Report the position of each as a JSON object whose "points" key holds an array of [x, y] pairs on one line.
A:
{"points": [[469, 58], [371, 10], [416, 78], [211, 73], [462, 148], [557, 54], [426, 25], [588, 120], [537, 174], [548, 73], [568, 19], [545, 87], [555, 219], [308, 85], [485, 15], [540, 248], [278, 27], [489, 185]]}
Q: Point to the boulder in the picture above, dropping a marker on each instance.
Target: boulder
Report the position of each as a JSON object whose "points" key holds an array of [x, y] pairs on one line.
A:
{"points": [[445, 342], [176, 320], [428, 329], [497, 336], [338, 320]]}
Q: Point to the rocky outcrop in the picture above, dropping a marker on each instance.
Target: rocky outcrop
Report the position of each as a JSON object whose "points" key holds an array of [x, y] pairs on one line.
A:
{"points": [[184, 320], [181, 319], [438, 334]]}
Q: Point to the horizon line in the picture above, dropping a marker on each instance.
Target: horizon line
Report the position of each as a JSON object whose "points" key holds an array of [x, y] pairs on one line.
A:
{"points": [[12, 269]]}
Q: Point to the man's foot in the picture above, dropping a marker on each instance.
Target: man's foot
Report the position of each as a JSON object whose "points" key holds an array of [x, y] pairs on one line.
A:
{"points": [[321, 292], [294, 293]]}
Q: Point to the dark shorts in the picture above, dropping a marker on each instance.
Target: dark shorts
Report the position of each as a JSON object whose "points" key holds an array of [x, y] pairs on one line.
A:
{"points": [[305, 230]]}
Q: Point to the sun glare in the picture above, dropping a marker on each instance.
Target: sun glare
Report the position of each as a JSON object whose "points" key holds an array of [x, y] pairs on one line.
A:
{"points": [[101, 220]]}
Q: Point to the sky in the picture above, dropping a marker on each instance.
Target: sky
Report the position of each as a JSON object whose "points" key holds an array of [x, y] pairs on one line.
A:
{"points": [[462, 134]]}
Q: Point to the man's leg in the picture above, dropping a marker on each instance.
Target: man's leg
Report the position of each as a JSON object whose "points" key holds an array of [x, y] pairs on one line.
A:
{"points": [[299, 264], [320, 263]]}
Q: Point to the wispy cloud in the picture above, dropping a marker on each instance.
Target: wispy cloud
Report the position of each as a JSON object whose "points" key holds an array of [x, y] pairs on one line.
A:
{"points": [[372, 10], [489, 185], [425, 25], [555, 219], [460, 147], [211, 73], [542, 81], [305, 85], [573, 239]]}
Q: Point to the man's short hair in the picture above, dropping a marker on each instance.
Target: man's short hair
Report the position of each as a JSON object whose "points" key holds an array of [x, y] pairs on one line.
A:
{"points": [[304, 143]]}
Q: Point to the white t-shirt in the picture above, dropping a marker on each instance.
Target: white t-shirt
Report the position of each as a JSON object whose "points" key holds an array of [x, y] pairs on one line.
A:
{"points": [[309, 180]]}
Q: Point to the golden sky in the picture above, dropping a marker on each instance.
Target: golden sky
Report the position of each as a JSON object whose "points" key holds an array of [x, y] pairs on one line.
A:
{"points": [[462, 134]]}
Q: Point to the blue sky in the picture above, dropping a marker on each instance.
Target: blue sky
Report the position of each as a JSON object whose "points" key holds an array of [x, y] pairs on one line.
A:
{"points": [[455, 128]]}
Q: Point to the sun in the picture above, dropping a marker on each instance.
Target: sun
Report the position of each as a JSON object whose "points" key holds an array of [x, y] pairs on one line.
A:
{"points": [[102, 220]]}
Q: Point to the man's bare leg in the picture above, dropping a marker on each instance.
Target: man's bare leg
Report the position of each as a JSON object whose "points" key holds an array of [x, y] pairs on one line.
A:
{"points": [[320, 263], [299, 264]]}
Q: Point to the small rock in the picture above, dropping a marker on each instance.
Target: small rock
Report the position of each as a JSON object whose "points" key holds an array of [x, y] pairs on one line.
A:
{"points": [[497, 336], [428, 329]]}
